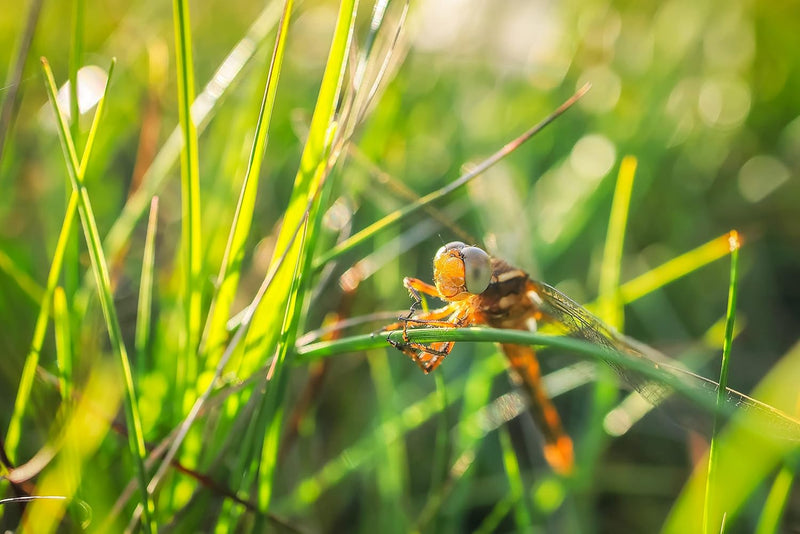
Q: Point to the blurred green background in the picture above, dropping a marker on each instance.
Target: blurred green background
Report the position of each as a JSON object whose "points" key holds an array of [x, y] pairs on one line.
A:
{"points": [[705, 94]]}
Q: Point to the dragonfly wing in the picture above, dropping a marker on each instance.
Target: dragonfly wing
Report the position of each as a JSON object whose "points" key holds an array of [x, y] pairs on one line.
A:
{"points": [[579, 322]]}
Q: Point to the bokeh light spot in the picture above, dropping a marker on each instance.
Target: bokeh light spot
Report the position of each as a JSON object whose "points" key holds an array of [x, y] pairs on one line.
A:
{"points": [[724, 103], [593, 156], [606, 88], [760, 176]]}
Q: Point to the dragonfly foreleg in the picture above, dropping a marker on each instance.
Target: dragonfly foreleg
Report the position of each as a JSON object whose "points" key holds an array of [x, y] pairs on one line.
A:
{"points": [[427, 357]]}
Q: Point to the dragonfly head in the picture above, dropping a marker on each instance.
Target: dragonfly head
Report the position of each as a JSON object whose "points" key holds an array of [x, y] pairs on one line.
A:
{"points": [[460, 270]]}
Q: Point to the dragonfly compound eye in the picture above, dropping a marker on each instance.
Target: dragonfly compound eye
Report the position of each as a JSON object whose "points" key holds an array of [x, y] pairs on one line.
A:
{"points": [[477, 269], [457, 245]]}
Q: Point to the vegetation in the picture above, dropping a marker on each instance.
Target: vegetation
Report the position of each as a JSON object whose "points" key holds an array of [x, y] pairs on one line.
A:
{"points": [[195, 198]]}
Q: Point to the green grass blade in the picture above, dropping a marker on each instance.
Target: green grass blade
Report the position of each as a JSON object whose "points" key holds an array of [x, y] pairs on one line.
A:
{"points": [[712, 515], [40, 328], [491, 522], [63, 343], [476, 171], [314, 168], [610, 307], [674, 269], [204, 107], [14, 76], [391, 468], [39, 331], [308, 181], [28, 285], [746, 456], [516, 489], [228, 279], [769, 522], [190, 199], [579, 347], [273, 408], [144, 309], [103, 281], [82, 434]]}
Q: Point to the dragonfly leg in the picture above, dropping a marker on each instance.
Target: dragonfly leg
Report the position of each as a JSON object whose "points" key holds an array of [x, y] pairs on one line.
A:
{"points": [[427, 357], [416, 286], [432, 318]]}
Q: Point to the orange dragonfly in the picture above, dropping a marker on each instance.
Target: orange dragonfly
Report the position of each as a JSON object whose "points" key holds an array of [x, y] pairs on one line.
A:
{"points": [[481, 290]]}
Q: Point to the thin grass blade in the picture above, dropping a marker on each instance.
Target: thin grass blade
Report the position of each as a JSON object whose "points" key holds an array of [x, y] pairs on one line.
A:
{"points": [[609, 304], [735, 479], [63, 343], [103, 281], [769, 522], [203, 109], [145, 304], [516, 488], [675, 268], [228, 278], [190, 201], [397, 215], [40, 328], [314, 169], [713, 516]]}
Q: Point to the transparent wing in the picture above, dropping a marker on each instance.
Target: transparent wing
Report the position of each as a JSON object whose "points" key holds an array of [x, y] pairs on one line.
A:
{"points": [[576, 321]]}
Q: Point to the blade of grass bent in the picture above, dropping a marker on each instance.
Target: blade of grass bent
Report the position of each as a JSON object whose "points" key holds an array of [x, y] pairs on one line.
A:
{"points": [[190, 200], [788, 427], [228, 277], [359, 237], [102, 279], [712, 515]]}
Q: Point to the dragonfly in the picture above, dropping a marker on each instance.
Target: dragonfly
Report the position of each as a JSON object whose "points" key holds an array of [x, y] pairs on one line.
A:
{"points": [[482, 290]]}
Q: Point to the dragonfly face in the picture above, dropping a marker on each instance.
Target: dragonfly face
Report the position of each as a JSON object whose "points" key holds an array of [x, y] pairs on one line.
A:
{"points": [[460, 271]]}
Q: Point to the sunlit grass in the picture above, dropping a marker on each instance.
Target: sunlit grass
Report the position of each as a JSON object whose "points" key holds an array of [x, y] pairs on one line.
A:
{"points": [[187, 321]]}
